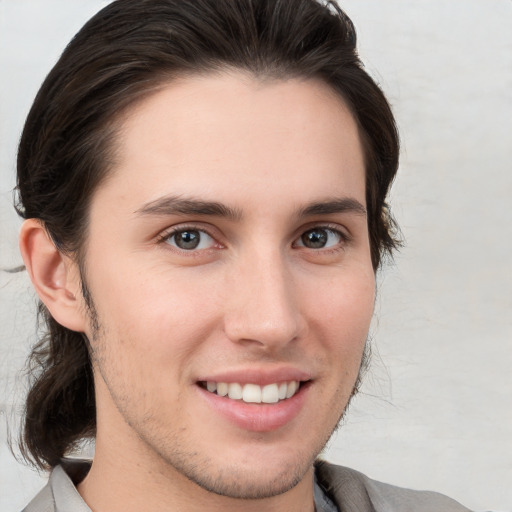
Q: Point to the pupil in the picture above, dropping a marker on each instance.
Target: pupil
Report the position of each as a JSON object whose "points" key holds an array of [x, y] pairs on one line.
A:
{"points": [[315, 239], [187, 239]]}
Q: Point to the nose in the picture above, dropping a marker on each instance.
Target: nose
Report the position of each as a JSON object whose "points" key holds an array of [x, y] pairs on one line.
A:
{"points": [[264, 307]]}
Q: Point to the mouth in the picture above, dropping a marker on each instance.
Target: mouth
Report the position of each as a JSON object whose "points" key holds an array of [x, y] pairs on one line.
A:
{"points": [[253, 393], [255, 402]]}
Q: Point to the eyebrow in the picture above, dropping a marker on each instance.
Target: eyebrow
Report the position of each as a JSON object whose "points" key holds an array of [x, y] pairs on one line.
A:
{"points": [[178, 205], [330, 206]]}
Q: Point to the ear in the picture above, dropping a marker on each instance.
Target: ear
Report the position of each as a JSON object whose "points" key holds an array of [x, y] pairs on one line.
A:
{"points": [[54, 275]]}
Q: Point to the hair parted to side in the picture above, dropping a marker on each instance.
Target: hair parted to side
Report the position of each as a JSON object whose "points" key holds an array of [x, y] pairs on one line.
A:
{"points": [[121, 55]]}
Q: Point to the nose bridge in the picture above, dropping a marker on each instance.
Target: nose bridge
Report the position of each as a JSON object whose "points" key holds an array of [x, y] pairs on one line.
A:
{"points": [[264, 307]]}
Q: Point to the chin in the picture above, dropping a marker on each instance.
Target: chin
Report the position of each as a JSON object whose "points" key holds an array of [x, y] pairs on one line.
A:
{"points": [[249, 483], [252, 472]]}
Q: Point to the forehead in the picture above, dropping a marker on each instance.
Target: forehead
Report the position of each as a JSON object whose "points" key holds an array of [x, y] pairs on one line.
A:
{"points": [[234, 136]]}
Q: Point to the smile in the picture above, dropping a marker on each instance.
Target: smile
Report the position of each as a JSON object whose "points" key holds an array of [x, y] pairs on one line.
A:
{"points": [[253, 393]]}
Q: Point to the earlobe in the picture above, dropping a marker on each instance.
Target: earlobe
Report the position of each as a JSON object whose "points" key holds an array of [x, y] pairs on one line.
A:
{"points": [[53, 274]]}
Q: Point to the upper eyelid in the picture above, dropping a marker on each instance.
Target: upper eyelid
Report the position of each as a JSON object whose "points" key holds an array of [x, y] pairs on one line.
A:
{"points": [[163, 239], [345, 238], [192, 226], [342, 230]]}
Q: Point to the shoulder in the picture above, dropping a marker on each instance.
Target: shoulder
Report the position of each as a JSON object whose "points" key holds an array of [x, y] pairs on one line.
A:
{"points": [[60, 494], [43, 502], [356, 492]]}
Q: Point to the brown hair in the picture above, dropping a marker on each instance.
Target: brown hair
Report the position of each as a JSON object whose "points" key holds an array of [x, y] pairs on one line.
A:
{"points": [[120, 55]]}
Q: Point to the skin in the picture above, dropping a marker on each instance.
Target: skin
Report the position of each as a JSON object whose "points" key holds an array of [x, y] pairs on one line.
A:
{"points": [[251, 298]]}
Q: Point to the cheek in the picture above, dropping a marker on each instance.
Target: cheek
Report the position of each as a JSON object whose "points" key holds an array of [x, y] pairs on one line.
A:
{"points": [[159, 316], [343, 310], [348, 302]]}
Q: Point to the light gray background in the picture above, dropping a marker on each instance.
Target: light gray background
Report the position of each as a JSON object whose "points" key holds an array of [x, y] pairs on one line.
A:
{"points": [[435, 411]]}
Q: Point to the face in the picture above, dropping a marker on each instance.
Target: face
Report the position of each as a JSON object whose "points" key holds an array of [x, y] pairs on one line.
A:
{"points": [[229, 266]]}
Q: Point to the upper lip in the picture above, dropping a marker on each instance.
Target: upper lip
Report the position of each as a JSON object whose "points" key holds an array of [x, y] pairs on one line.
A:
{"points": [[258, 376]]}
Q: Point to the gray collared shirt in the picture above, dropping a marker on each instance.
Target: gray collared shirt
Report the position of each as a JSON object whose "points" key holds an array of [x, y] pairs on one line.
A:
{"points": [[337, 489]]}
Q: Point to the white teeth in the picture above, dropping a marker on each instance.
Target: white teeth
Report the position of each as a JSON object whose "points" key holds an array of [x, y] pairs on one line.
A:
{"points": [[235, 391], [282, 390], [222, 389], [292, 388], [251, 394], [254, 394], [270, 394]]}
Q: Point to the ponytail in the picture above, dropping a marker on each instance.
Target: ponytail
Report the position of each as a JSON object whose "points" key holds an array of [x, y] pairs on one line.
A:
{"points": [[60, 406]]}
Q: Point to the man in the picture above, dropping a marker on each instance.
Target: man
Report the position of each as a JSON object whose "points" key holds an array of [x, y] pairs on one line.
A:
{"points": [[204, 190]]}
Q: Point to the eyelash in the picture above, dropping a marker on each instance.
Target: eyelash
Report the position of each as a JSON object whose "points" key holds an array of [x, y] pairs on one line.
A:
{"points": [[345, 238], [167, 235]]}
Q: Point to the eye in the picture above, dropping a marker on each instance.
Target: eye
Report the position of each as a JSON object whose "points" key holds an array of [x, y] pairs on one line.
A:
{"points": [[190, 239], [320, 238]]}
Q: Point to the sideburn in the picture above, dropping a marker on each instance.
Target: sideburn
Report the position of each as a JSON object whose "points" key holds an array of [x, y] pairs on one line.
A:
{"points": [[89, 304]]}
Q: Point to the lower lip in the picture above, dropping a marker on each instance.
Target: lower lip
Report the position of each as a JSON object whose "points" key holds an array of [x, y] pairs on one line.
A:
{"points": [[257, 417]]}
